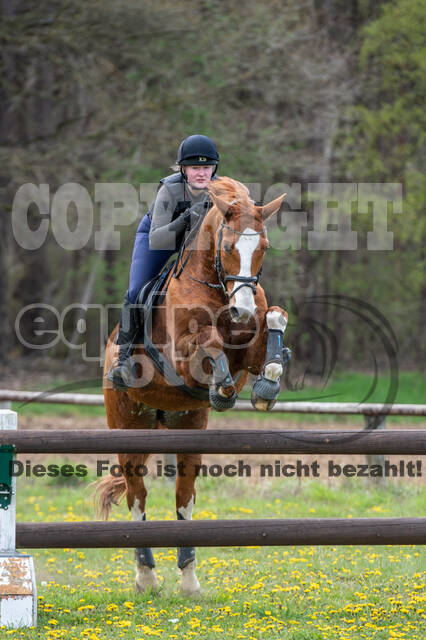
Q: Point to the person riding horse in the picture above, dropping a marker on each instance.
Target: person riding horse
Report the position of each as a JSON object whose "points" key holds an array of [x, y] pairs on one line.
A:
{"points": [[182, 200], [213, 328]]}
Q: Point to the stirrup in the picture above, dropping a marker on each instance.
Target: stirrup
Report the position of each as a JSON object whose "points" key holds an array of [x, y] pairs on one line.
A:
{"points": [[121, 374]]}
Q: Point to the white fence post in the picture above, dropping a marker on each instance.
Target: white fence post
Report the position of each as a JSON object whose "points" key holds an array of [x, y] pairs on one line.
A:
{"points": [[18, 593]]}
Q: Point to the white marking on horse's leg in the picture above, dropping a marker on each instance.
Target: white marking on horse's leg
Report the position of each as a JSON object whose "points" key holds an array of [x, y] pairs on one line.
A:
{"points": [[145, 579], [136, 512], [186, 512], [189, 584], [276, 320], [273, 371], [246, 245], [145, 576]]}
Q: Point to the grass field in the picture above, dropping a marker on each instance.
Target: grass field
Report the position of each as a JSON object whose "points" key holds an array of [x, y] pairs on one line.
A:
{"points": [[298, 593]]}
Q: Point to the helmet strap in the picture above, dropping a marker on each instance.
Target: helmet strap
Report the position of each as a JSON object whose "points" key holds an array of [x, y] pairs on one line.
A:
{"points": [[186, 183]]}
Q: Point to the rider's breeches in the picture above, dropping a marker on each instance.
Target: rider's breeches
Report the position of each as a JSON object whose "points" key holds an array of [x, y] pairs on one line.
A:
{"points": [[146, 262]]}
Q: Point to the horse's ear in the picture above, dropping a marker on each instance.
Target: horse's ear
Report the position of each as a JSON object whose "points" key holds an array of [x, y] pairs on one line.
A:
{"points": [[223, 206], [272, 207]]}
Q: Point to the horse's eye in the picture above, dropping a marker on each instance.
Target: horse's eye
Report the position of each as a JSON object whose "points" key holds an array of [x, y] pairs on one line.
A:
{"points": [[227, 247]]}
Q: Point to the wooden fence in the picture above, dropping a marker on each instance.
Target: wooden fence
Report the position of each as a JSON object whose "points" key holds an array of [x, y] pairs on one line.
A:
{"points": [[17, 570]]}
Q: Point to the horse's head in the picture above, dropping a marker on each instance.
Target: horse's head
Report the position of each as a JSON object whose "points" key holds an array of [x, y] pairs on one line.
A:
{"points": [[240, 244]]}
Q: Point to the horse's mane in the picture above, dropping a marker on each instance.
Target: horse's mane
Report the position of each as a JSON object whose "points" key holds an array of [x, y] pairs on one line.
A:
{"points": [[229, 189]]}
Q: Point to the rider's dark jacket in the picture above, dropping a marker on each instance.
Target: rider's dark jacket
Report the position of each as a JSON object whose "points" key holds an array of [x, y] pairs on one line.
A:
{"points": [[161, 231], [167, 224]]}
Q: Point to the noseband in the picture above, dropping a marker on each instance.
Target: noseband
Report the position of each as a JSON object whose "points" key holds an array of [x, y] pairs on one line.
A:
{"points": [[222, 276]]}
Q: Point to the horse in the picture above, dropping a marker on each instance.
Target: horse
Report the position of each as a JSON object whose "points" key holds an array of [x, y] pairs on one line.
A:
{"points": [[214, 325]]}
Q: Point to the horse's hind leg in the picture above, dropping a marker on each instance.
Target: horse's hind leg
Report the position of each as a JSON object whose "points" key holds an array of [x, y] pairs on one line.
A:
{"points": [[123, 412], [187, 469], [188, 466], [136, 497]]}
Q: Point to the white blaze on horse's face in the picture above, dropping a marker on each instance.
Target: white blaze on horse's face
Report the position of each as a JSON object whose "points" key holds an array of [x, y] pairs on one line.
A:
{"points": [[242, 303]]}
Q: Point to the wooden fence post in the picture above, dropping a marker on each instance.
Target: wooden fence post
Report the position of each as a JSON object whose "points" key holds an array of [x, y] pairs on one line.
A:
{"points": [[170, 459], [373, 423]]}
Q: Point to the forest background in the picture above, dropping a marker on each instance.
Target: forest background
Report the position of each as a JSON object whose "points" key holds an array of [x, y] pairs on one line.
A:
{"points": [[317, 91]]}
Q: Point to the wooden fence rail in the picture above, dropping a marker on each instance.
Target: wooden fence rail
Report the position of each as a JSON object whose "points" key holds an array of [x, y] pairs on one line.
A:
{"points": [[242, 441], [241, 405], [221, 533]]}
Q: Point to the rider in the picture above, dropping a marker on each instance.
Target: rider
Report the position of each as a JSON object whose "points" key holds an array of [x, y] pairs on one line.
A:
{"points": [[181, 200]]}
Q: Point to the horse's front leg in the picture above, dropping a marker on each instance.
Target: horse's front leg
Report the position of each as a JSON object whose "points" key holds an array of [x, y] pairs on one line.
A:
{"points": [[205, 349], [187, 470], [267, 385], [136, 498]]}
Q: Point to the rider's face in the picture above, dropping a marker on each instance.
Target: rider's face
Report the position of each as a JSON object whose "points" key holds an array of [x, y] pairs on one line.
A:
{"points": [[199, 176]]}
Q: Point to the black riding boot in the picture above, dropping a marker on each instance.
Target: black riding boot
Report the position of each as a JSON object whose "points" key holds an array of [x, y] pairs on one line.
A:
{"points": [[121, 371]]}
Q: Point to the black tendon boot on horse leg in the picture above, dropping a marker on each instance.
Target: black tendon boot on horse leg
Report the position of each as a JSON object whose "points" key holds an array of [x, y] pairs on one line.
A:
{"points": [[121, 371], [222, 381], [267, 386], [145, 563]]}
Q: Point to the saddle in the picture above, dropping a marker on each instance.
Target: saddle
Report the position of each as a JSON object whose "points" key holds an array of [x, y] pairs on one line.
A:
{"points": [[145, 297], [152, 295]]}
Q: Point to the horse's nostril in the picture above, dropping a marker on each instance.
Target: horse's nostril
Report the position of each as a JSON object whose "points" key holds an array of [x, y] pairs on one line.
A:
{"points": [[239, 314]]}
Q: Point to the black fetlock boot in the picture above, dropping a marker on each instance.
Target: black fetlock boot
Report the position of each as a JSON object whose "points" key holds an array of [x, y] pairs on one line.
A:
{"points": [[121, 371]]}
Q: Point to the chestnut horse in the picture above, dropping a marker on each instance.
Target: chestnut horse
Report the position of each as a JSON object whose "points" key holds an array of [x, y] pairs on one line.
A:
{"points": [[214, 323]]}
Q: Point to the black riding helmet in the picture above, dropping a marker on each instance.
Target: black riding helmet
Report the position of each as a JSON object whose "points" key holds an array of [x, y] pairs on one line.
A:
{"points": [[198, 150]]}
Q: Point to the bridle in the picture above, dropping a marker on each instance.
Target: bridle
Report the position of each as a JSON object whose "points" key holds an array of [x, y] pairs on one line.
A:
{"points": [[222, 276]]}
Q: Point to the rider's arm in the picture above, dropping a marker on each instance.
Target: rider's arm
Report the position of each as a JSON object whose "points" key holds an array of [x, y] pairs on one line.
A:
{"points": [[163, 232]]}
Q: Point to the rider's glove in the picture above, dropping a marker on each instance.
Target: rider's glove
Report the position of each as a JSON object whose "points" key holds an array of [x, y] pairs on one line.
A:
{"points": [[192, 215]]}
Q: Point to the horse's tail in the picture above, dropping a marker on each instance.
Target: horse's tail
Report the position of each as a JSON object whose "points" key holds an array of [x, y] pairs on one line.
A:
{"points": [[108, 491]]}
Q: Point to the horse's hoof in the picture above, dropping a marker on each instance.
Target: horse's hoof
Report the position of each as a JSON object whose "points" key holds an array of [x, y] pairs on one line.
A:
{"points": [[264, 393], [189, 585], [146, 579], [219, 402]]}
